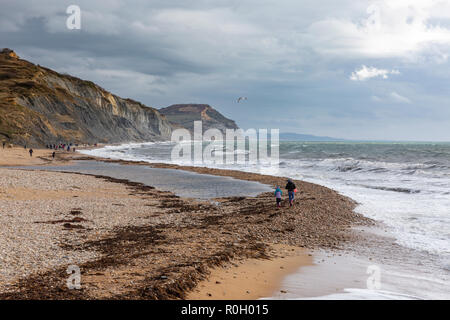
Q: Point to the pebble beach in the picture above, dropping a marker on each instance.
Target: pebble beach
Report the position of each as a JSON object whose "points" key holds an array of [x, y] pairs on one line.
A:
{"points": [[132, 241]]}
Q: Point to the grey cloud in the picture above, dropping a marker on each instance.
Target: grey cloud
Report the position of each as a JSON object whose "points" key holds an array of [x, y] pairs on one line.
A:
{"points": [[164, 52]]}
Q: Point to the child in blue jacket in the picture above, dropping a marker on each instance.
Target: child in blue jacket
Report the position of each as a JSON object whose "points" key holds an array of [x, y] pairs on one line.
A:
{"points": [[278, 194]]}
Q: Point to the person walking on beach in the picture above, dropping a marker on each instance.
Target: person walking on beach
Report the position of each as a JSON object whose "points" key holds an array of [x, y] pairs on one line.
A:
{"points": [[3, 143], [278, 194], [53, 155], [291, 188], [31, 152]]}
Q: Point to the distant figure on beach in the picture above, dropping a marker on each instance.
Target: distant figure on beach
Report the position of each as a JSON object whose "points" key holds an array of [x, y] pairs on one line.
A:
{"points": [[3, 143], [291, 188], [278, 194], [31, 152], [25, 147], [53, 155]]}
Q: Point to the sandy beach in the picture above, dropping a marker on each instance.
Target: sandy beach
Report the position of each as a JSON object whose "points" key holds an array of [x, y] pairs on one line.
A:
{"points": [[251, 279], [132, 241], [19, 156]]}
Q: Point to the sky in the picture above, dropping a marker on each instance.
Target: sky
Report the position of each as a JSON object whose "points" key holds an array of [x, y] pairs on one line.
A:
{"points": [[376, 70]]}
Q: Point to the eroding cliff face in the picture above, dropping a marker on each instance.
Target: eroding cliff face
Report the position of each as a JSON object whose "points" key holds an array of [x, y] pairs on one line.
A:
{"points": [[184, 115], [40, 106]]}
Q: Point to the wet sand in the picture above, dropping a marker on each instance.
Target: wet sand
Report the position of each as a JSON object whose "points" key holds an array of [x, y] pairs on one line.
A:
{"points": [[252, 279]]}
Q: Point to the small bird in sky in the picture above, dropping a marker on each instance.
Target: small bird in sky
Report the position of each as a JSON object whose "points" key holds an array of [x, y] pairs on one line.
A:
{"points": [[241, 98]]}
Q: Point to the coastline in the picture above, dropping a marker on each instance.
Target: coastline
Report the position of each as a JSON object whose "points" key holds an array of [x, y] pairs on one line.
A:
{"points": [[323, 219]]}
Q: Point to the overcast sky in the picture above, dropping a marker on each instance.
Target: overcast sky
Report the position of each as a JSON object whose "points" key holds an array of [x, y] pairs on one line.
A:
{"points": [[350, 69]]}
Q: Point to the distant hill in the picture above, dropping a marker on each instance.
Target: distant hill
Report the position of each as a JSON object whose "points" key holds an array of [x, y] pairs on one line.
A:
{"points": [[290, 136], [184, 115]]}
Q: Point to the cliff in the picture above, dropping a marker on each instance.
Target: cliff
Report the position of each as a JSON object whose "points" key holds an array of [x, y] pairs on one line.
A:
{"points": [[39, 106], [184, 115]]}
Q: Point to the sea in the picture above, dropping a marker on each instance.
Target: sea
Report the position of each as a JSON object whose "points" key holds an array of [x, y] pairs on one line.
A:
{"points": [[403, 185]]}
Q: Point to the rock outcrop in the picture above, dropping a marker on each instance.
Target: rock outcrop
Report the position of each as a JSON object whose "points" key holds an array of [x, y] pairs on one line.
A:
{"points": [[9, 53], [184, 115]]}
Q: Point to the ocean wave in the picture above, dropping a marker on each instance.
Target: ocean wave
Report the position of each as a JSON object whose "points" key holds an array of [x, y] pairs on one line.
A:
{"points": [[446, 266], [351, 165], [366, 294], [393, 189]]}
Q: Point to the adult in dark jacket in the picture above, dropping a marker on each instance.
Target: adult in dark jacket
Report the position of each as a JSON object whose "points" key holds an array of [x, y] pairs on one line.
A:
{"points": [[290, 187]]}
